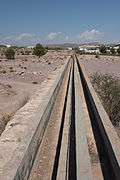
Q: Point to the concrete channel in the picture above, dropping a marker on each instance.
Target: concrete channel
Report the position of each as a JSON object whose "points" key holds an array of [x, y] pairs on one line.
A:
{"points": [[74, 138], [73, 159], [106, 138]]}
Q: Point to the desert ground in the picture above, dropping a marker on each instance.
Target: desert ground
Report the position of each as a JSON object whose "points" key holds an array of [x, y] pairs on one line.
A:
{"points": [[103, 64], [19, 78]]}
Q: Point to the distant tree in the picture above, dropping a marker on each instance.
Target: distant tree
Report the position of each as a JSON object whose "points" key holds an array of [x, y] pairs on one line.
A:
{"points": [[118, 50], [112, 50], [10, 53], [103, 49], [39, 50]]}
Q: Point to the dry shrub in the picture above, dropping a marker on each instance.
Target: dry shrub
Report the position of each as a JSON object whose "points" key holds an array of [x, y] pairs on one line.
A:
{"points": [[107, 87], [6, 118], [23, 101], [94, 157]]}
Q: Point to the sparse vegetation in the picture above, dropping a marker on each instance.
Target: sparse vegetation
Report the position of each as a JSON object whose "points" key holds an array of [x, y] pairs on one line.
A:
{"points": [[22, 52], [96, 56], [6, 118], [23, 101], [10, 53], [108, 88], [8, 85], [11, 67], [27, 52], [20, 77], [4, 71], [35, 82], [12, 70]]}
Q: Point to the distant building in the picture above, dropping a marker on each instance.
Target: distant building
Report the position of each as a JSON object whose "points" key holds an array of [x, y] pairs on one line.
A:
{"points": [[116, 47], [30, 47], [8, 45], [89, 49], [108, 51], [69, 48]]}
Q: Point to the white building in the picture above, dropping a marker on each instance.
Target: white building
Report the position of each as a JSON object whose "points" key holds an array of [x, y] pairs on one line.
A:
{"points": [[69, 48], [30, 47], [8, 45], [89, 49]]}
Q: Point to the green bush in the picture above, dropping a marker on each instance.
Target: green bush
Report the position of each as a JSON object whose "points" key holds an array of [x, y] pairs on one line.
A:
{"points": [[118, 50], [103, 49], [35, 82], [96, 56], [4, 71], [112, 50], [12, 70], [11, 67], [6, 118], [38, 50], [10, 53], [108, 88]]}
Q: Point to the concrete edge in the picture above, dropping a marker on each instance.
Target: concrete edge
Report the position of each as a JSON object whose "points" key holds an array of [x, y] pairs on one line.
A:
{"points": [[84, 171], [62, 172], [19, 137], [110, 130]]}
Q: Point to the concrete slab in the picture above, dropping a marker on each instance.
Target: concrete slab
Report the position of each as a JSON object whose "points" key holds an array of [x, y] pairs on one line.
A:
{"points": [[82, 155]]}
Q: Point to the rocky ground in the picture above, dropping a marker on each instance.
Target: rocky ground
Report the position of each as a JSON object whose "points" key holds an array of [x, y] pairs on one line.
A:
{"points": [[19, 78], [103, 64]]}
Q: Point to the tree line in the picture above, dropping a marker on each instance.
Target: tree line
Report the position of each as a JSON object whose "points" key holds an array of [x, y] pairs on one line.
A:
{"points": [[103, 49], [38, 50]]}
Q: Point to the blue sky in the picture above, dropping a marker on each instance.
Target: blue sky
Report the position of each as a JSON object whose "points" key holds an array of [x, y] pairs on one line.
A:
{"points": [[24, 22]]}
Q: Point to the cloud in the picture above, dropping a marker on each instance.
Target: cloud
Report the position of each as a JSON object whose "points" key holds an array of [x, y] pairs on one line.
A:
{"points": [[85, 37], [20, 36], [9, 37], [91, 35], [25, 35], [23, 38], [66, 38], [53, 35]]}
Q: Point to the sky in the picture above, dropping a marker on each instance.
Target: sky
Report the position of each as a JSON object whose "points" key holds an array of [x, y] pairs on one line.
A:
{"points": [[27, 22]]}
